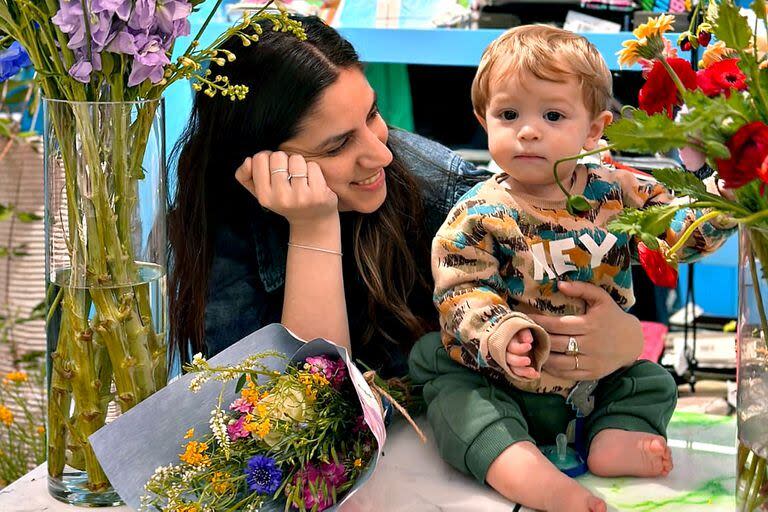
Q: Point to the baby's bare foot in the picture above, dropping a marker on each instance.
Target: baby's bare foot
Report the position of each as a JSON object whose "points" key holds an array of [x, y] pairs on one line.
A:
{"points": [[574, 498], [622, 453]]}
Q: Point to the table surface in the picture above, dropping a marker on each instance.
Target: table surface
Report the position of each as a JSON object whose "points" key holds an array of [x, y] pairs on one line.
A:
{"points": [[411, 477]]}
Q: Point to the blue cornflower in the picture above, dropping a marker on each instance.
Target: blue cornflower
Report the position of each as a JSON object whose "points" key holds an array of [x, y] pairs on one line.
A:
{"points": [[262, 474], [12, 60]]}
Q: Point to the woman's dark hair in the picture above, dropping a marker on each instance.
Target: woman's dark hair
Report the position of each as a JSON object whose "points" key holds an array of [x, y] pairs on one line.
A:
{"points": [[285, 77]]}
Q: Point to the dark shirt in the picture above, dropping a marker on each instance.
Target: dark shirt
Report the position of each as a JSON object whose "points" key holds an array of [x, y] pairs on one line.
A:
{"points": [[246, 284]]}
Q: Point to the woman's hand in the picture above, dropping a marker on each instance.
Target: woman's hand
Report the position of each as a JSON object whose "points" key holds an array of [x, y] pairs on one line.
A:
{"points": [[289, 186], [608, 338]]}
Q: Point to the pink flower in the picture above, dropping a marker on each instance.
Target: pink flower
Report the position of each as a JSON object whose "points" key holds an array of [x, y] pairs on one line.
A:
{"points": [[334, 371], [241, 405], [236, 429], [323, 479]]}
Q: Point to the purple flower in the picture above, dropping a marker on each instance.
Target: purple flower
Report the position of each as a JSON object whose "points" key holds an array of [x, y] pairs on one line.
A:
{"points": [[123, 42], [148, 61], [69, 19], [170, 11], [262, 474], [81, 71], [120, 7], [12, 60], [143, 15]]}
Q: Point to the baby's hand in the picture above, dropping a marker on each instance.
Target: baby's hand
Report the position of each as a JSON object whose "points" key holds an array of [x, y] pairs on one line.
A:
{"points": [[519, 355]]}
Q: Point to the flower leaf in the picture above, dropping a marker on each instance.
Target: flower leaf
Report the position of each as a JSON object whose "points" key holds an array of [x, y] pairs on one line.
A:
{"points": [[28, 217], [6, 212], [240, 383], [758, 7], [681, 182], [731, 27], [646, 224], [645, 134], [577, 204]]}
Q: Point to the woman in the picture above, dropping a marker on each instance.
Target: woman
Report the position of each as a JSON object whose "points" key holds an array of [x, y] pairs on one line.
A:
{"points": [[273, 189]]}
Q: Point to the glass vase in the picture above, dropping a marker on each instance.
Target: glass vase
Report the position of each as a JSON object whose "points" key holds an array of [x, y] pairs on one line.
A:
{"points": [[105, 211], [752, 372]]}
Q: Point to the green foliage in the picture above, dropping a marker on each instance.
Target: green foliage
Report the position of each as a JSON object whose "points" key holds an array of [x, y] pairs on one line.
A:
{"points": [[732, 27], [646, 224], [642, 133]]}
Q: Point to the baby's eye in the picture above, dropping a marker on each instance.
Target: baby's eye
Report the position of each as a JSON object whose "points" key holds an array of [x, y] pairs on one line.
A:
{"points": [[553, 116], [509, 115]]}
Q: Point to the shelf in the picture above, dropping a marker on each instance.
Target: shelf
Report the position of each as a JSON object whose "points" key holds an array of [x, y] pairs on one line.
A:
{"points": [[435, 46]]}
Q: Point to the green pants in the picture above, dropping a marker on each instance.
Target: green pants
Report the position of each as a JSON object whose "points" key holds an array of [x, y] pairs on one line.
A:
{"points": [[475, 420]]}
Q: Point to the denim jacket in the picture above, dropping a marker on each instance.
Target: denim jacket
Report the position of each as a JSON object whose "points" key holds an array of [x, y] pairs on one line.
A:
{"points": [[245, 288]]}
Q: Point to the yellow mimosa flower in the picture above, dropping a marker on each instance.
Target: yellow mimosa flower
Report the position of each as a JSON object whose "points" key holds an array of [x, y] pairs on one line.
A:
{"points": [[6, 416], [16, 377]]}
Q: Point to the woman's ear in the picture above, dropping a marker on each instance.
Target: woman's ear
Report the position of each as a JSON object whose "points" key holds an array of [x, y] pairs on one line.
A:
{"points": [[481, 120], [596, 129]]}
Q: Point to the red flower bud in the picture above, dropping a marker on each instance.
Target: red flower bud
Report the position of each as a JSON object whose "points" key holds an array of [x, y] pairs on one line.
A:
{"points": [[685, 45], [704, 38], [659, 270]]}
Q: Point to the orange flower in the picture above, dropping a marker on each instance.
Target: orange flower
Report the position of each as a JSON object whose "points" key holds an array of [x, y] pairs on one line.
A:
{"points": [[654, 27], [194, 454], [6, 416], [15, 377], [189, 434], [358, 463], [41, 430], [220, 483]]}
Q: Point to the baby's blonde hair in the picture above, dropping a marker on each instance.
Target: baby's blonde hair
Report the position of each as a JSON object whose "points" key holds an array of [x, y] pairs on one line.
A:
{"points": [[549, 53]]}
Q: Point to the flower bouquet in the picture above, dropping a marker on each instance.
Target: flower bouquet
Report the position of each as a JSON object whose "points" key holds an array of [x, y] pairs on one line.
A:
{"points": [[293, 436], [718, 118], [103, 66], [296, 426]]}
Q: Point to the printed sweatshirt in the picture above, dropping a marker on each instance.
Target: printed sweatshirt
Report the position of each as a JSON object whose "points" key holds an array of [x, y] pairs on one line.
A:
{"points": [[498, 257]]}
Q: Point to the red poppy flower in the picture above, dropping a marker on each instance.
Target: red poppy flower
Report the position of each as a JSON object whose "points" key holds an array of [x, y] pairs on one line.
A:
{"points": [[659, 92], [661, 272], [721, 78], [749, 149]]}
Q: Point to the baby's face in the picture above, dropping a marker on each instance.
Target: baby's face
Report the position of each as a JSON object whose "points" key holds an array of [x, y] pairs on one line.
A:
{"points": [[532, 123]]}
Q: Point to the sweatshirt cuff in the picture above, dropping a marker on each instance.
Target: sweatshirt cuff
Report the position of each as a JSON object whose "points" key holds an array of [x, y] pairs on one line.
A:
{"points": [[502, 336]]}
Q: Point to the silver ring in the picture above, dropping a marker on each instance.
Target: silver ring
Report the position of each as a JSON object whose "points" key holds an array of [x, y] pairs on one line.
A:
{"points": [[573, 347], [279, 170], [576, 360], [291, 176]]}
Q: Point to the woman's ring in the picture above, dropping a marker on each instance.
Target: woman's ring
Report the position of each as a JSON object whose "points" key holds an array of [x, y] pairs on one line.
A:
{"points": [[279, 170], [576, 360], [291, 176], [573, 347]]}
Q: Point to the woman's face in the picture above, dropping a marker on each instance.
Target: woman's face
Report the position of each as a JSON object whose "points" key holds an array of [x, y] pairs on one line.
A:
{"points": [[345, 135]]}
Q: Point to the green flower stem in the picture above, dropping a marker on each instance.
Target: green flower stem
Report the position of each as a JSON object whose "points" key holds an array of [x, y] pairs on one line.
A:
{"points": [[576, 157], [676, 79], [691, 229]]}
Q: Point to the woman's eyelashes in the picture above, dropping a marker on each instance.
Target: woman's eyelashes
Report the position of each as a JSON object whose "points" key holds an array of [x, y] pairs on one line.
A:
{"points": [[338, 149]]}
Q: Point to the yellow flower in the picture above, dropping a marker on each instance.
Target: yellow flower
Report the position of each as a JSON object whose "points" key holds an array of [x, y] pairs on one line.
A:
{"points": [[261, 410], [192, 507], [220, 483], [194, 454], [41, 430], [715, 52], [654, 27], [189, 434], [630, 54], [6, 416], [261, 428], [16, 377], [358, 463]]}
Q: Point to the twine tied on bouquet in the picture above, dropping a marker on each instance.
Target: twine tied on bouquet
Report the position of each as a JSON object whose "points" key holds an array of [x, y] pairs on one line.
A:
{"points": [[378, 392]]}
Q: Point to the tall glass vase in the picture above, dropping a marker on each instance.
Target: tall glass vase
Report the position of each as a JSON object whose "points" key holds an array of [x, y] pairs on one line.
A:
{"points": [[752, 371], [105, 217]]}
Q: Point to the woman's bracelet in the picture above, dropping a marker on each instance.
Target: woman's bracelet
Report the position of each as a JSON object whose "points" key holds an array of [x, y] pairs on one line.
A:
{"points": [[312, 248]]}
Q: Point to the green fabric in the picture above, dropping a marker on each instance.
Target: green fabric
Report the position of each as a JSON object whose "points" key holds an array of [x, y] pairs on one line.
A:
{"points": [[393, 90], [474, 420]]}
